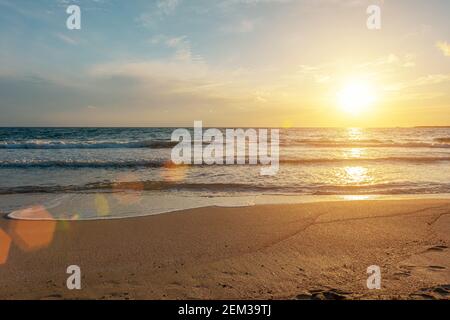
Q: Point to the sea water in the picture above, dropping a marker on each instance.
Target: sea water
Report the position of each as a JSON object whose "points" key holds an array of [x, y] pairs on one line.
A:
{"points": [[91, 173]]}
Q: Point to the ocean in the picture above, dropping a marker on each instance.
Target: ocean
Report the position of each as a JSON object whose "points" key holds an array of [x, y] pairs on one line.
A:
{"points": [[91, 173]]}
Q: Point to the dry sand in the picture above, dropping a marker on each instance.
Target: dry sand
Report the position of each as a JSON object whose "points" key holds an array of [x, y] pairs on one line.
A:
{"points": [[302, 251]]}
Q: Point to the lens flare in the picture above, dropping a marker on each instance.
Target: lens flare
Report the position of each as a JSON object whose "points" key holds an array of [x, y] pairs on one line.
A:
{"points": [[102, 205], [173, 173], [128, 189], [5, 244], [31, 235]]}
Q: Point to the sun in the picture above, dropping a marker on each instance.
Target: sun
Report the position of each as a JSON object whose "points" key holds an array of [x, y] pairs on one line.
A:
{"points": [[356, 97]]}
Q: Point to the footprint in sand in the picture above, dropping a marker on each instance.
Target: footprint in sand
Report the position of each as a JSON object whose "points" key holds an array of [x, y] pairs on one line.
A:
{"points": [[406, 270], [437, 248], [433, 293], [56, 296], [403, 274], [116, 296], [436, 268], [324, 294], [430, 263]]}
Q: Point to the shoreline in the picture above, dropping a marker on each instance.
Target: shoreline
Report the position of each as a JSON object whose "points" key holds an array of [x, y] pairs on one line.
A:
{"points": [[240, 201], [315, 250]]}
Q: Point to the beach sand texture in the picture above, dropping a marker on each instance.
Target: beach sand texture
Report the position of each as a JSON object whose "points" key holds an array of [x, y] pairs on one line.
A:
{"points": [[302, 251]]}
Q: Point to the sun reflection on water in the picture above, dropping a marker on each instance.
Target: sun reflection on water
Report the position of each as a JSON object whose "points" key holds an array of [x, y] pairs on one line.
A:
{"points": [[354, 133], [358, 197], [354, 153], [357, 175]]}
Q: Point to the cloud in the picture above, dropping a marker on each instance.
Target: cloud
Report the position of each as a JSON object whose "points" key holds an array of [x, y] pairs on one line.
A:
{"points": [[407, 61], [171, 89], [66, 39], [167, 6], [345, 3], [180, 44], [252, 2], [182, 48], [428, 80], [165, 72], [444, 47], [158, 77], [157, 12], [432, 79], [243, 26], [333, 70]]}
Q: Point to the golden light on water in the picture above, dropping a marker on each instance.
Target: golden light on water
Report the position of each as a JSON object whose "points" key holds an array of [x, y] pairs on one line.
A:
{"points": [[172, 172], [357, 174], [128, 189], [355, 152], [354, 133], [357, 197], [102, 205]]}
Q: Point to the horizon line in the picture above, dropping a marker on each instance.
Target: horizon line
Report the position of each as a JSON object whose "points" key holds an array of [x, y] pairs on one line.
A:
{"points": [[221, 127]]}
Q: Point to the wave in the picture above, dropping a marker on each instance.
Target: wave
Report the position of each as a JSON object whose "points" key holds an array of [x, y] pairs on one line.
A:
{"points": [[366, 144], [82, 164], [443, 140], [75, 164], [324, 140], [140, 186], [157, 144], [133, 186], [365, 160], [384, 189]]}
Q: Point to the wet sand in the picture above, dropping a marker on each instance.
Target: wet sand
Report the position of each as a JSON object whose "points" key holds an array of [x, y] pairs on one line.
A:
{"points": [[296, 251]]}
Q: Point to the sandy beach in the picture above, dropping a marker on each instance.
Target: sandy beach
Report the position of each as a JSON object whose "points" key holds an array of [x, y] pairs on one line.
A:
{"points": [[302, 251]]}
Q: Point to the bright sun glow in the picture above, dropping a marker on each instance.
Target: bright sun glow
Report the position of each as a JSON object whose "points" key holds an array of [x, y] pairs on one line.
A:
{"points": [[356, 97]]}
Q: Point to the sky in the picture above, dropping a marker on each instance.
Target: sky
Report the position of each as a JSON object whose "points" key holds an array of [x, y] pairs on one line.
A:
{"points": [[229, 63]]}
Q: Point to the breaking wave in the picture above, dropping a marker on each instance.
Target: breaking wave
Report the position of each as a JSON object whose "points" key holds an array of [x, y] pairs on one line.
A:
{"points": [[157, 144], [163, 144], [79, 164], [140, 186]]}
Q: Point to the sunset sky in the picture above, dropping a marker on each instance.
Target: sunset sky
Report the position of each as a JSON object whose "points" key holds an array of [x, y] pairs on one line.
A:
{"points": [[227, 63]]}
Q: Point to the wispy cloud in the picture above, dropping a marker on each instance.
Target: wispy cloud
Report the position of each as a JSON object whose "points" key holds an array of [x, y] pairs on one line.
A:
{"points": [[428, 80], [327, 72], [66, 39], [165, 72], [251, 2], [180, 44], [242, 26], [157, 12], [182, 47], [431, 79], [167, 6], [444, 47]]}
